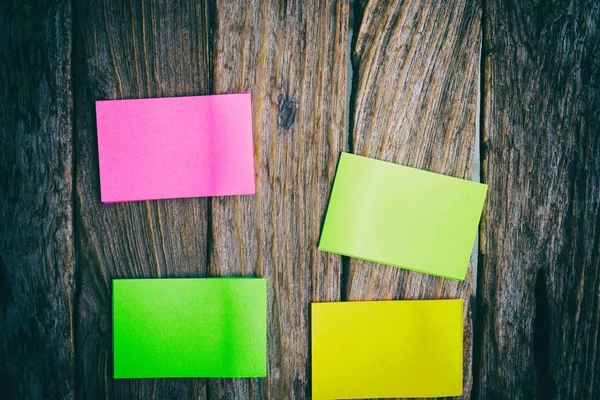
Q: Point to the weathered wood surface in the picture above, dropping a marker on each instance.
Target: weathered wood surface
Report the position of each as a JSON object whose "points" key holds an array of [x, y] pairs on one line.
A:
{"points": [[293, 58], [540, 237], [414, 103], [37, 258], [132, 50]]}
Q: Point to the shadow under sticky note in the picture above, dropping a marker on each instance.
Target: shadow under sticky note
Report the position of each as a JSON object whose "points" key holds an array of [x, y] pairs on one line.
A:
{"points": [[180, 328], [175, 147], [387, 349], [402, 216]]}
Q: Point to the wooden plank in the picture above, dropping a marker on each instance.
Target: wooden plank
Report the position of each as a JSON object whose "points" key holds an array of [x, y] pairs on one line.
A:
{"points": [[540, 270], [414, 103], [132, 50], [36, 229], [292, 57]]}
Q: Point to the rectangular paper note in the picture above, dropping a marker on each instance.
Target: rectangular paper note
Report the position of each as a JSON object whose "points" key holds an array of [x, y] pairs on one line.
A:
{"points": [[175, 147], [387, 349], [402, 216], [180, 328]]}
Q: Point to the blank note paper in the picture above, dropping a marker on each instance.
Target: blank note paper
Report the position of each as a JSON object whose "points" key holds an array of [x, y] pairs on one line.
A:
{"points": [[175, 147], [401, 216], [181, 328], [387, 349]]}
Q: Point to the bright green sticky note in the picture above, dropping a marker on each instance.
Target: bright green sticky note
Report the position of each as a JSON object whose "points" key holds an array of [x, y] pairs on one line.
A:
{"points": [[179, 328], [402, 216]]}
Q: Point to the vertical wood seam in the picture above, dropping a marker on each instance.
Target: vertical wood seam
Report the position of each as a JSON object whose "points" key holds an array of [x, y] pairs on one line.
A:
{"points": [[75, 204], [357, 17], [478, 309]]}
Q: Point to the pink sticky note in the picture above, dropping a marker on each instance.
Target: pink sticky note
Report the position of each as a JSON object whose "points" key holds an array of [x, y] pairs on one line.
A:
{"points": [[175, 147]]}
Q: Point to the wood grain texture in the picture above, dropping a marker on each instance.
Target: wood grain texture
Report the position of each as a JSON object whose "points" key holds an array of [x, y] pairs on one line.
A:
{"points": [[414, 103], [132, 50], [36, 230], [292, 57], [540, 270]]}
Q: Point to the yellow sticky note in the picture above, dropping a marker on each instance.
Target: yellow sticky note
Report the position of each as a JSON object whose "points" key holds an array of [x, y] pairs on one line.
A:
{"points": [[369, 349]]}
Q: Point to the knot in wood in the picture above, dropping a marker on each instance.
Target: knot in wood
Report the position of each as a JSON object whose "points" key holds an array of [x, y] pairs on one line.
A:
{"points": [[286, 112], [103, 325]]}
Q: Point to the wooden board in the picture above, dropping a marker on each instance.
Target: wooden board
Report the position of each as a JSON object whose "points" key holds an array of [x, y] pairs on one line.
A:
{"points": [[414, 103], [36, 231], [292, 57], [540, 269], [127, 50]]}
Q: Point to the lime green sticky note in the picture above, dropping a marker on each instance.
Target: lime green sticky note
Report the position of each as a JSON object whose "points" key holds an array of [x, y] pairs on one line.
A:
{"points": [[401, 216], [180, 328]]}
